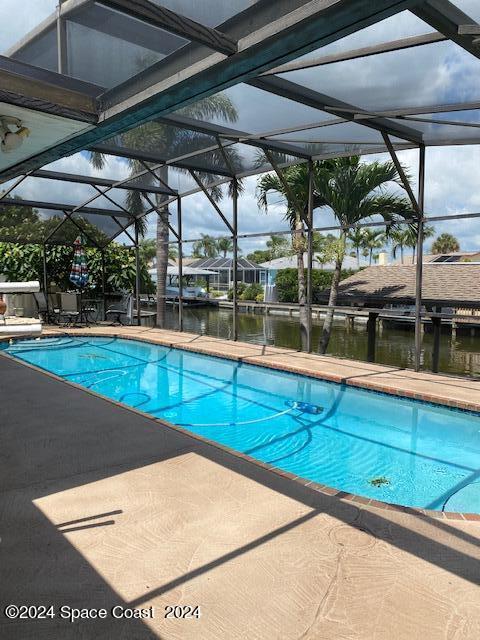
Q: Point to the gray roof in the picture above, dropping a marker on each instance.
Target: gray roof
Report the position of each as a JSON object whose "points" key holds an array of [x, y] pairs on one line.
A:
{"points": [[446, 284], [290, 262], [222, 264]]}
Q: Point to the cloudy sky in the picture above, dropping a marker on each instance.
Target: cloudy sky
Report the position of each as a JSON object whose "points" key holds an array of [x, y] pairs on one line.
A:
{"points": [[452, 177]]}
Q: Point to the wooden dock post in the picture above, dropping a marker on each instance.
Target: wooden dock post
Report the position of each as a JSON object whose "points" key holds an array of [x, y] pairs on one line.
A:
{"points": [[372, 336], [349, 323], [437, 325], [454, 330]]}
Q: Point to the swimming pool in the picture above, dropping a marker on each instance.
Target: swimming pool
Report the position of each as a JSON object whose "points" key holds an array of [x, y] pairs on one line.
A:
{"points": [[383, 447]]}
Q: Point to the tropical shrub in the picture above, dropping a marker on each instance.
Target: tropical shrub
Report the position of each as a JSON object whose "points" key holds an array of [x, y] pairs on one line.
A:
{"points": [[241, 286], [253, 292], [286, 283], [25, 262]]}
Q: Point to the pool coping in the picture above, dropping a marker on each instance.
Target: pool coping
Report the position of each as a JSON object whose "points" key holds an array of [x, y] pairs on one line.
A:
{"points": [[344, 496], [154, 336]]}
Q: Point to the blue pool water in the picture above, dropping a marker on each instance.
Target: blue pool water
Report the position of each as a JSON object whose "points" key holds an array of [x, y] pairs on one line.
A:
{"points": [[421, 455]]}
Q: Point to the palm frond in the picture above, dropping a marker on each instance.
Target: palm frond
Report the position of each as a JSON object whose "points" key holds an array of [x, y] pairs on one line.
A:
{"points": [[216, 106], [267, 183], [98, 160]]}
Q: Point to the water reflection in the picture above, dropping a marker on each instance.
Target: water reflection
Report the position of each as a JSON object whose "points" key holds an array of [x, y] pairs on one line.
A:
{"points": [[395, 345]]}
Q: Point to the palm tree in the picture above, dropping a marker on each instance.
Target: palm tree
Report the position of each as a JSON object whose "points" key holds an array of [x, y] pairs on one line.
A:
{"points": [[445, 243], [399, 239], [279, 246], [225, 245], [373, 240], [294, 189], [148, 250], [408, 237], [355, 192], [205, 247], [169, 142], [411, 237], [357, 240]]}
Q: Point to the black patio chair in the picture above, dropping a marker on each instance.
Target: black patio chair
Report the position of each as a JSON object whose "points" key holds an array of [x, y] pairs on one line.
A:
{"points": [[46, 313], [122, 311]]}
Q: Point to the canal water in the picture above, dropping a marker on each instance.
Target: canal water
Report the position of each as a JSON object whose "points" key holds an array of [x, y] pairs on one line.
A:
{"points": [[395, 344]]}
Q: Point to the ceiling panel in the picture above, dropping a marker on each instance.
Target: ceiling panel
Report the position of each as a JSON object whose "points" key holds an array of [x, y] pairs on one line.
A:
{"points": [[45, 131]]}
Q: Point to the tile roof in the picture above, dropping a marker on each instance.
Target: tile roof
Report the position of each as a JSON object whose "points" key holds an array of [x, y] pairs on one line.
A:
{"points": [[450, 284]]}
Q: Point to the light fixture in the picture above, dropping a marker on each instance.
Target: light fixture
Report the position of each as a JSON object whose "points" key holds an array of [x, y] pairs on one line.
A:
{"points": [[11, 140]]}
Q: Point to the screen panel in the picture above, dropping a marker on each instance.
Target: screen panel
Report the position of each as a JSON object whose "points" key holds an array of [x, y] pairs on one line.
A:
{"points": [[41, 52], [107, 47], [21, 223], [441, 73], [402, 25], [251, 110], [345, 132]]}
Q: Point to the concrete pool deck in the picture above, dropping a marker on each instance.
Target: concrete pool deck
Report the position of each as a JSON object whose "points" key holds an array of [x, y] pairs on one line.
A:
{"points": [[101, 506]]}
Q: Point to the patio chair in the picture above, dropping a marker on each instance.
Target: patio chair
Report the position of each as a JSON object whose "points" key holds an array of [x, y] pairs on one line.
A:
{"points": [[47, 314], [68, 311], [121, 312]]}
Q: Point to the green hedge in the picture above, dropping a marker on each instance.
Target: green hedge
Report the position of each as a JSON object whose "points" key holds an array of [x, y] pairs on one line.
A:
{"points": [[287, 283], [20, 262], [252, 291]]}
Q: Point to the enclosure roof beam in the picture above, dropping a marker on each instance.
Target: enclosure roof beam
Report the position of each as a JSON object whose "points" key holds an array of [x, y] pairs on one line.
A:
{"points": [[445, 17], [162, 17], [403, 177], [317, 100], [31, 87], [209, 197], [54, 206], [364, 52], [147, 156], [157, 178], [233, 134], [296, 129], [93, 181]]}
